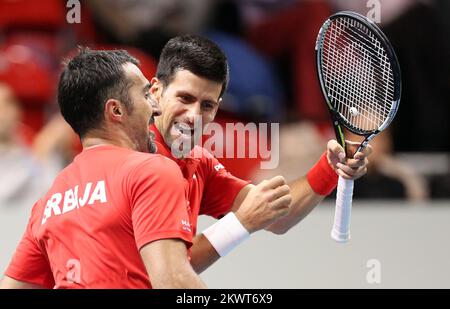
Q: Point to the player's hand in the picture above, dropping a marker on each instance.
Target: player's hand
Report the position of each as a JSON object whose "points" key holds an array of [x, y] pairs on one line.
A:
{"points": [[348, 168], [264, 204]]}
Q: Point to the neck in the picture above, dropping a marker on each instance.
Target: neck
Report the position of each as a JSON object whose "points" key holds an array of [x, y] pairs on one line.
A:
{"points": [[97, 138]]}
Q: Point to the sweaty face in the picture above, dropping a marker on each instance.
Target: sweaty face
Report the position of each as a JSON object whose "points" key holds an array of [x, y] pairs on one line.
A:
{"points": [[142, 111], [186, 100]]}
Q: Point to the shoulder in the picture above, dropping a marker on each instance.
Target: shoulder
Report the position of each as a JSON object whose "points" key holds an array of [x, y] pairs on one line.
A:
{"points": [[151, 165], [202, 154], [156, 161], [207, 159], [36, 213]]}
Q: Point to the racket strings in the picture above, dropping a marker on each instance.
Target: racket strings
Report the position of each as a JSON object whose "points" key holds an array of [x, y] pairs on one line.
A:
{"points": [[357, 73], [342, 87], [376, 51], [382, 75], [379, 53], [354, 61]]}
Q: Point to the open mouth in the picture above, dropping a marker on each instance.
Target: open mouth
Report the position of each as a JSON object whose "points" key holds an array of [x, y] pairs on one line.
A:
{"points": [[182, 129]]}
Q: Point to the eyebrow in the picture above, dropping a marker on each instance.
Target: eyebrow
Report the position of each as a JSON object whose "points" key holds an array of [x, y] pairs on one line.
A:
{"points": [[182, 92]]}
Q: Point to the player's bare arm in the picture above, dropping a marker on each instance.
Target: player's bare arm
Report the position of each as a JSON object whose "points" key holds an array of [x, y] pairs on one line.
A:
{"points": [[203, 253], [259, 206], [168, 267], [305, 199], [254, 215]]}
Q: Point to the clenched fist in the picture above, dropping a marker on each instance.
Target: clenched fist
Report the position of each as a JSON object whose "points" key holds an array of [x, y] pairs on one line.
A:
{"points": [[265, 203]]}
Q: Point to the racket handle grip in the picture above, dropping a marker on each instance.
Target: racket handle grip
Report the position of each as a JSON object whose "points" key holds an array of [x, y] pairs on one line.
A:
{"points": [[341, 226]]}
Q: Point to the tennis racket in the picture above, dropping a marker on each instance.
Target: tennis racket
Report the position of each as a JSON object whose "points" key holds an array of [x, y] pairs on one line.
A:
{"points": [[360, 79]]}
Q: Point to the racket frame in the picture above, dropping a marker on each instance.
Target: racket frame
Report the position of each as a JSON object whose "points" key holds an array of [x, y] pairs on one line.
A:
{"points": [[337, 119], [341, 231]]}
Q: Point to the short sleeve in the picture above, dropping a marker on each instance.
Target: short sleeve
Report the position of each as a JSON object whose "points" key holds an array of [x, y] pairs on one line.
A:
{"points": [[221, 189], [158, 203], [29, 263]]}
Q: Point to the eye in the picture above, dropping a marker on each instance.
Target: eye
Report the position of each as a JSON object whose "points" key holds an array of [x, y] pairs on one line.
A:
{"points": [[185, 99], [207, 106]]}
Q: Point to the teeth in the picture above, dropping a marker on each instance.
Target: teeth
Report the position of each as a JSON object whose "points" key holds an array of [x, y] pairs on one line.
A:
{"points": [[183, 126], [184, 129]]}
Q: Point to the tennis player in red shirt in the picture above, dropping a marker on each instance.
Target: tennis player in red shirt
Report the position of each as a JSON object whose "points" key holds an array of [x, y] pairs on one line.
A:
{"points": [[117, 216], [191, 78]]}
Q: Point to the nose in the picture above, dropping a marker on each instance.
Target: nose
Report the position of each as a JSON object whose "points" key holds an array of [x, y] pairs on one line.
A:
{"points": [[192, 111]]}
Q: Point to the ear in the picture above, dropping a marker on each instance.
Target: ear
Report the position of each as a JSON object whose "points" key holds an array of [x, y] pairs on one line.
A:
{"points": [[217, 108], [114, 110], [156, 88]]}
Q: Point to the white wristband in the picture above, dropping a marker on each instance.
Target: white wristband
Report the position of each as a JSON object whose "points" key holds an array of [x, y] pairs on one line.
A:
{"points": [[226, 234]]}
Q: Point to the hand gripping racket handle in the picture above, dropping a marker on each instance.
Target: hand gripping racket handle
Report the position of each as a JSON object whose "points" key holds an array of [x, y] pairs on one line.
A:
{"points": [[341, 226]]}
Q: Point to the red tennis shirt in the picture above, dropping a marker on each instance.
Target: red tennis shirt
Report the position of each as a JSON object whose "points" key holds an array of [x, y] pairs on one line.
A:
{"points": [[209, 188], [86, 232]]}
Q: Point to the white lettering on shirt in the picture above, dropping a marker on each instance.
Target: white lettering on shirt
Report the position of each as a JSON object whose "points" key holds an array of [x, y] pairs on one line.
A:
{"points": [[52, 206], [218, 167], [186, 225], [71, 201], [99, 193], [82, 201]]}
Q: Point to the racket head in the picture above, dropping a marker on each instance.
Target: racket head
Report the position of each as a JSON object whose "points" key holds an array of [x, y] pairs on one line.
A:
{"points": [[359, 74]]}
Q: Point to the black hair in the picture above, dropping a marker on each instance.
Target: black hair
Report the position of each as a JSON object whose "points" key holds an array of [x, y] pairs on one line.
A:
{"points": [[87, 81], [196, 54]]}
